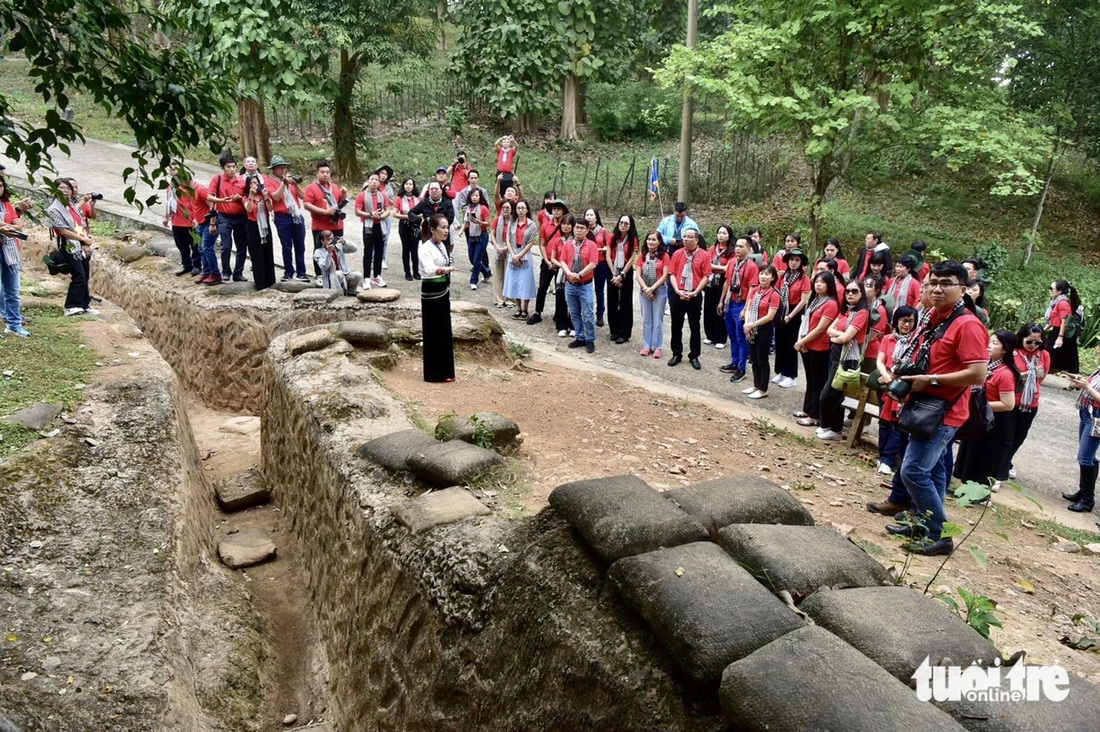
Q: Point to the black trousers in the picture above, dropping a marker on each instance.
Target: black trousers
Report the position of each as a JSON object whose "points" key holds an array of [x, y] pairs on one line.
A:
{"points": [[185, 243], [1020, 431], [691, 309], [760, 348], [79, 295], [562, 320], [620, 307], [832, 400], [263, 259], [786, 358], [816, 366], [409, 257], [546, 276], [714, 325], [373, 245]]}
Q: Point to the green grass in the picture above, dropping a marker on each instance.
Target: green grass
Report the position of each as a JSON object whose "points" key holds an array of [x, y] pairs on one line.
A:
{"points": [[45, 368]]}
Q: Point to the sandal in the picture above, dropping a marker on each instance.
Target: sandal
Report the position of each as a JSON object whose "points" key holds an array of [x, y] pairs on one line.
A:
{"points": [[808, 422], [800, 413]]}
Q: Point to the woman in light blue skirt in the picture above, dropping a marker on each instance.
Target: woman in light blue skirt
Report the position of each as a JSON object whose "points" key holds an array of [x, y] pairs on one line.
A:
{"points": [[519, 274]]}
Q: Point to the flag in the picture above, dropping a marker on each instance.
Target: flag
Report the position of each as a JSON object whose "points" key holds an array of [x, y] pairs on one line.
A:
{"points": [[654, 179]]}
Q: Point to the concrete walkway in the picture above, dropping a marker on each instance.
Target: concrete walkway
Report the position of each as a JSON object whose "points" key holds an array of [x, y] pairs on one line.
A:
{"points": [[1046, 465]]}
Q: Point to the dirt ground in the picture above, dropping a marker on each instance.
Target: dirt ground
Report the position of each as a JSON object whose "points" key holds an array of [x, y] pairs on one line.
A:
{"points": [[590, 423]]}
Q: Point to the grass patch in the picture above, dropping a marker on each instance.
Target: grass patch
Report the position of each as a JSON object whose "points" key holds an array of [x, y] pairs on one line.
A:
{"points": [[1004, 517], [518, 351], [44, 368], [766, 427]]}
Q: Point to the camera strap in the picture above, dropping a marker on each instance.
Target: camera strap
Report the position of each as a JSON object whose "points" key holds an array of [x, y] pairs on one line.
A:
{"points": [[918, 355]]}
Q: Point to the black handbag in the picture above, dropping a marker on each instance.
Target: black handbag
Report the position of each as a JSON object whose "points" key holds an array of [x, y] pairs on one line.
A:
{"points": [[923, 414], [979, 421]]}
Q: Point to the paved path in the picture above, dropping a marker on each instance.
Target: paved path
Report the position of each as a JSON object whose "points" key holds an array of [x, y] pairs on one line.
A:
{"points": [[1046, 465]]}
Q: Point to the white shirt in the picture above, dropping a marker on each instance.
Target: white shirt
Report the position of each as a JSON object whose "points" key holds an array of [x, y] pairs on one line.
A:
{"points": [[432, 256]]}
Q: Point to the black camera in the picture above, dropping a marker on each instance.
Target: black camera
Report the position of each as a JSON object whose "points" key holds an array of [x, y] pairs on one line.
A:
{"points": [[297, 179], [462, 159], [735, 289], [339, 216], [897, 389], [210, 216], [95, 196], [20, 235]]}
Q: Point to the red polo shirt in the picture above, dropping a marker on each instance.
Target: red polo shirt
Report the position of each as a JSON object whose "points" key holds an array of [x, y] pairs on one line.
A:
{"points": [[965, 342], [279, 207], [663, 262], [910, 298], [223, 187], [877, 330], [315, 195], [750, 275], [769, 299], [1022, 357], [828, 309], [589, 255], [379, 201], [798, 288], [1061, 311], [998, 381], [506, 159], [700, 266], [859, 319]]}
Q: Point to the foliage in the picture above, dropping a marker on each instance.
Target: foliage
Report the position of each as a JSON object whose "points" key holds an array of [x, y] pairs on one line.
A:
{"points": [[456, 120], [834, 72], [631, 110], [45, 368], [518, 351], [993, 256], [165, 95], [979, 610]]}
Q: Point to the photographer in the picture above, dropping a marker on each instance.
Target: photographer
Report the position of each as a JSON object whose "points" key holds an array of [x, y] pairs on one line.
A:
{"points": [[286, 204], [226, 192], [324, 200], [69, 228], [331, 259], [948, 354], [257, 203], [10, 257], [180, 212], [459, 173]]}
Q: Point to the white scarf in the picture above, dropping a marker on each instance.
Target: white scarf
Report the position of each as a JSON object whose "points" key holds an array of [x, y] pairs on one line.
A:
{"points": [[1053, 304], [817, 302], [900, 290], [1031, 379]]}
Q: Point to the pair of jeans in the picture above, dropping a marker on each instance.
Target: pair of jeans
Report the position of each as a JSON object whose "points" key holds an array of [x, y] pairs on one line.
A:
{"points": [[292, 236], [653, 318], [10, 302], [581, 300], [891, 443], [924, 474], [208, 254], [1087, 444], [693, 310], [475, 248], [739, 342], [234, 233]]}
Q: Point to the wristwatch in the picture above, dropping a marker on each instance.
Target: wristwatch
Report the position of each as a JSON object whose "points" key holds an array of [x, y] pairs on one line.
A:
{"points": [[935, 379]]}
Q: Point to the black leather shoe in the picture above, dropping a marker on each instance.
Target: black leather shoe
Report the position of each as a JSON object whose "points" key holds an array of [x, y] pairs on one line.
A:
{"points": [[1072, 497], [1081, 506], [534, 318], [936, 548], [599, 321], [590, 347], [239, 278], [620, 340], [738, 376], [728, 368], [578, 343], [182, 271], [903, 530], [695, 363], [886, 508], [675, 360]]}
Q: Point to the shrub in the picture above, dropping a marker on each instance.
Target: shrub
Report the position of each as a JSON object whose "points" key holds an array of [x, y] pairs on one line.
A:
{"points": [[631, 110]]}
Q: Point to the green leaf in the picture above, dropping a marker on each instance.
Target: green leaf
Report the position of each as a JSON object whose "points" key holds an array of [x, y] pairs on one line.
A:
{"points": [[950, 530], [980, 557], [971, 492]]}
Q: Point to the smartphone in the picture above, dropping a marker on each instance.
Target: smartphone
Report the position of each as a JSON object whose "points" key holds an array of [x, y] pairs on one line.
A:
{"points": [[20, 235]]}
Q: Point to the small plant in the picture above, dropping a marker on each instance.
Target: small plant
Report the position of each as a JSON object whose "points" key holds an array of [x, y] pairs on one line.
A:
{"points": [[979, 610], [483, 435], [456, 120], [103, 228], [798, 485], [518, 351]]}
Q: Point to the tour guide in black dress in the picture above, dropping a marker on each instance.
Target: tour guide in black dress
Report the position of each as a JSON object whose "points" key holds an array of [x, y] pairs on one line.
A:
{"points": [[435, 300]]}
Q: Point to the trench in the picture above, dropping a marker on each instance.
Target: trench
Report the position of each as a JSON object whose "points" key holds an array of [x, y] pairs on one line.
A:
{"points": [[490, 624]]}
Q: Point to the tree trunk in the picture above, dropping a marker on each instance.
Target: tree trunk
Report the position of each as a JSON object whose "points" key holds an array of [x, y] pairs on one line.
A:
{"points": [[569, 108], [345, 159], [252, 130], [1052, 165], [440, 15], [822, 177]]}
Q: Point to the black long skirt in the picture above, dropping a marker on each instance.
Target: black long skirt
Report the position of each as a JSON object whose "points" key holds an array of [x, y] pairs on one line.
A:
{"points": [[439, 351], [1064, 358], [714, 325], [988, 456], [260, 252]]}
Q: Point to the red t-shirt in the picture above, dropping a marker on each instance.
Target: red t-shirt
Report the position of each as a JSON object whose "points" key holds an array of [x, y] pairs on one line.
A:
{"points": [[998, 381], [255, 207], [663, 263], [223, 187], [910, 298], [186, 208], [750, 275], [777, 260], [315, 196], [506, 159], [877, 330], [857, 318], [1021, 359], [11, 216], [542, 217], [279, 206], [589, 255], [924, 270], [630, 247], [888, 408], [769, 299], [404, 203], [965, 342], [202, 205], [1061, 311], [829, 310], [550, 233], [797, 289], [460, 177], [379, 201], [700, 266]]}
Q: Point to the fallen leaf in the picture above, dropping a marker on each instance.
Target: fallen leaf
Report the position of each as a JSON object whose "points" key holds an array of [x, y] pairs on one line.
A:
{"points": [[1026, 586]]}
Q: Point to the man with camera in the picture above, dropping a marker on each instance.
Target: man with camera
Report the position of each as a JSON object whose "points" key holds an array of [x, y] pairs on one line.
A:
{"points": [[459, 173], [286, 204], [325, 201], [226, 192], [741, 276], [183, 213], [933, 376]]}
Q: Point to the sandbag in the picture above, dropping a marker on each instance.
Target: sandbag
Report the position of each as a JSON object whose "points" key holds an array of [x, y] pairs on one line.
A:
{"points": [[740, 499]]}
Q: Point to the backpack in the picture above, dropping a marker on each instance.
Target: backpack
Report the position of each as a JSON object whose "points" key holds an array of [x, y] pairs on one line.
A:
{"points": [[1074, 324], [979, 420], [876, 314]]}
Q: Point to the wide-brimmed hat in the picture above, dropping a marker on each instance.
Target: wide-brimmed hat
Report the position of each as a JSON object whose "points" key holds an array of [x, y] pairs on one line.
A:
{"points": [[388, 169], [558, 202], [276, 161], [796, 252]]}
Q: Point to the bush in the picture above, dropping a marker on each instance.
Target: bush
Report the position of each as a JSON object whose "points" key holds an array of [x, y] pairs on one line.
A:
{"points": [[632, 110]]}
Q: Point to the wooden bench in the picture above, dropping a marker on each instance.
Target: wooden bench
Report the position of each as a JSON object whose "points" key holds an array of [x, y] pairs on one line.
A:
{"points": [[866, 407]]}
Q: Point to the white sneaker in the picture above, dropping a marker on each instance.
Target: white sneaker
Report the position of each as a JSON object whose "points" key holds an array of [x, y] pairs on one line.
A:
{"points": [[378, 282], [563, 333], [884, 469], [707, 341], [364, 285], [830, 435], [668, 311], [758, 395], [820, 431], [74, 311], [1011, 474], [750, 390], [719, 345], [473, 287], [777, 378], [384, 265], [572, 333], [996, 487], [91, 311]]}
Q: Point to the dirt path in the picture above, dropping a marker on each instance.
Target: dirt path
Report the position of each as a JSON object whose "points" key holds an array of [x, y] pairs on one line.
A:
{"points": [[587, 423]]}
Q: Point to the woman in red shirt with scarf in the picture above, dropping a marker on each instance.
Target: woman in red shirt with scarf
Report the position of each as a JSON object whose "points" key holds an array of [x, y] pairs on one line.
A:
{"points": [[847, 334], [759, 324]]}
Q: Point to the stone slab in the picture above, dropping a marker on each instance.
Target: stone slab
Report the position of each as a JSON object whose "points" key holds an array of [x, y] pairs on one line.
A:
{"points": [[444, 464], [316, 296], [314, 340], [378, 294], [236, 288], [242, 491], [36, 416], [246, 549], [362, 332], [392, 451], [705, 608], [130, 253], [801, 559], [897, 628], [439, 507], [488, 429], [740, 499], [622, 515], [293, 286], [811, 680]]}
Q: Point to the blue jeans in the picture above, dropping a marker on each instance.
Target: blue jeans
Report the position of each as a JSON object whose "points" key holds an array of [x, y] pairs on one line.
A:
{"points": [[581, 300], [475, 247], [292, 235], [208, 255], [739, 342], [653, 318], [1087, 444], [891, 443], [233, 229], [924, 473], [10, 304]]}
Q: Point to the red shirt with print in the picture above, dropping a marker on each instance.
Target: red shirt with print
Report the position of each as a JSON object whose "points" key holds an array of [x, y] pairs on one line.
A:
{"points": [[750, 276], [315, 195], [700, 267], [223, 187], [828, 309]]}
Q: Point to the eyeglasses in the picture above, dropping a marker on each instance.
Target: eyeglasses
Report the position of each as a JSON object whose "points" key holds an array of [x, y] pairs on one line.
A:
{"points": [[940, 285], [1032, 342]]}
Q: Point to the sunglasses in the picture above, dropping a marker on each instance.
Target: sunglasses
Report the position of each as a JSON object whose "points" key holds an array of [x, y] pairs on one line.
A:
{"points": [[1031, 342], [850, 292]]}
